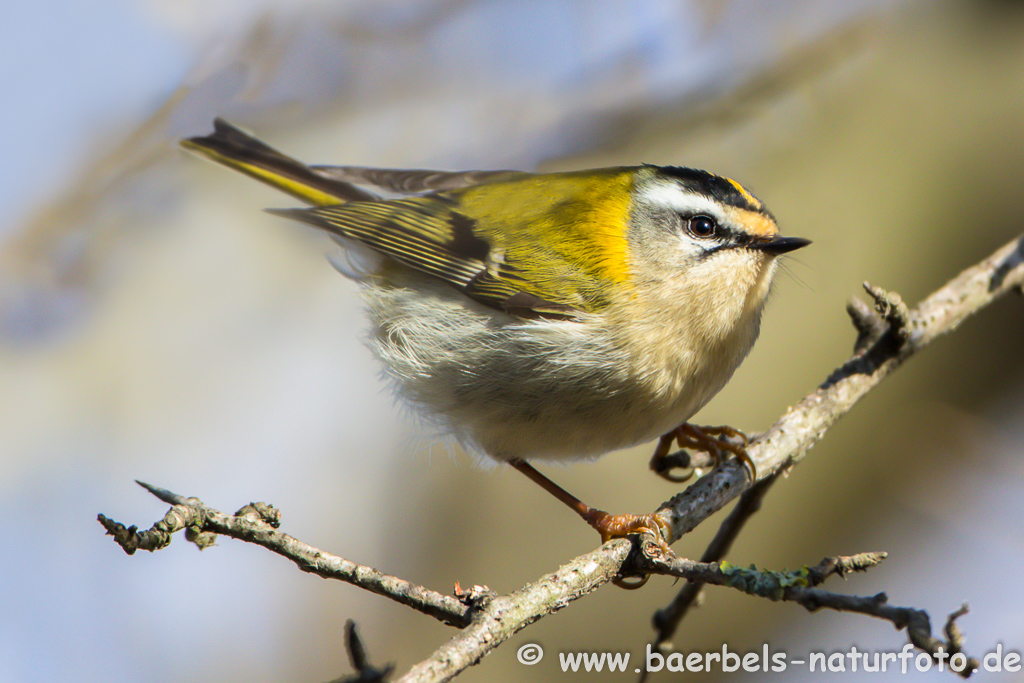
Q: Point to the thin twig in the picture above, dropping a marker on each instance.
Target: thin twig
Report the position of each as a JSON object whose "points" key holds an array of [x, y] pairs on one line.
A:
{"points": [[917, 622], [365, 673], [762, 583], [251, 524], [799, 586]]}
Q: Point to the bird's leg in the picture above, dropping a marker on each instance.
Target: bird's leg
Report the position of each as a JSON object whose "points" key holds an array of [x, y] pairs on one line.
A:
{"points": [[713, 440], [608, 525]]}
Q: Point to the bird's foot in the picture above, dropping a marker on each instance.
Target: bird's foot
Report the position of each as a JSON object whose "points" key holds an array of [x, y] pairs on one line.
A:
{"points": [[716, 441], [619, 526]]}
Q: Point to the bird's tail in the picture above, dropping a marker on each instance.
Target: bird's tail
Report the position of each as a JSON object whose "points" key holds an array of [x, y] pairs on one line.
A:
{"points": [[234, 148]]}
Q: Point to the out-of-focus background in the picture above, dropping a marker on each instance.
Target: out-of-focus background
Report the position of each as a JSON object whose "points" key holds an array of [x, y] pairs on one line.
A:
{"points": [[156, 325]]}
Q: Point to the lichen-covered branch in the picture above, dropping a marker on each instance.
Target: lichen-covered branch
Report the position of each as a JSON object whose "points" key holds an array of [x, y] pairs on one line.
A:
{"points": [[800, 587]]}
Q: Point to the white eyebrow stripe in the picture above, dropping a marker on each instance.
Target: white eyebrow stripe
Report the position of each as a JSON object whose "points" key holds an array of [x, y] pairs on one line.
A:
{"points": [[676, 199]]}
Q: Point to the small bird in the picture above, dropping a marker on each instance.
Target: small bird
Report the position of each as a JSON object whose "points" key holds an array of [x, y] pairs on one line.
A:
{"points": [[546, 316]]}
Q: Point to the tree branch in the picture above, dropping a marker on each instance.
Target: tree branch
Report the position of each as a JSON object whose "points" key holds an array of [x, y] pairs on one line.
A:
{"points": [[799, 586], [256, 523], [499, 618], [765, 584], [885, 340]]}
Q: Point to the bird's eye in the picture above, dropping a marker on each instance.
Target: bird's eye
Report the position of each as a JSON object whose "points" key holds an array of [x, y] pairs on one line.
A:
{"points": [[702, 226]]}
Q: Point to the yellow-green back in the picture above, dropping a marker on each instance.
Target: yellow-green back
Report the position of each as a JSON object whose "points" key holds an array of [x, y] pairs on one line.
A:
{"points": [[539, 245]]}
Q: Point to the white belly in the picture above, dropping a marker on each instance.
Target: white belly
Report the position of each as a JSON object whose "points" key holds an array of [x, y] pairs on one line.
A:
{"points": [[531, 389]]}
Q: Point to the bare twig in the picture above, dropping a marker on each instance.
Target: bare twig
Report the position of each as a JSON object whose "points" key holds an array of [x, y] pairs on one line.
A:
{"points": [[915, 621], [250, 524], [843, 565], [765, 584]]}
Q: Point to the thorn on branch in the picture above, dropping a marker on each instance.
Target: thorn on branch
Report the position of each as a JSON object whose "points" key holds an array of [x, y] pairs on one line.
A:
{"points": [[169, 497]]}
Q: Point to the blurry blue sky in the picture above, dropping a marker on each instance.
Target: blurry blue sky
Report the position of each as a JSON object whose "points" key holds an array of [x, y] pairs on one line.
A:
{"points": [[72, 68]]}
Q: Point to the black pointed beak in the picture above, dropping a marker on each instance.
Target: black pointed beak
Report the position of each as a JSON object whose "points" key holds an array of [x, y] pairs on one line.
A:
{"points": [[780, 245]]}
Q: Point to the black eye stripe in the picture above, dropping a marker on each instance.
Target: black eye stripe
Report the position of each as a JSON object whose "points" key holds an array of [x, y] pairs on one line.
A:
{"points": [[727, 239], [719, 238]]}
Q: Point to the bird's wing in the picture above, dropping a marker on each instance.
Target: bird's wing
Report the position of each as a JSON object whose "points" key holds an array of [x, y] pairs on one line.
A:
{"points": [[428, 234], [499, 245]]}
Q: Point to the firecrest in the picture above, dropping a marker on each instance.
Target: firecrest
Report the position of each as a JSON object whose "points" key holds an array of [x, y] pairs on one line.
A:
{"points": [[552, 316]]}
